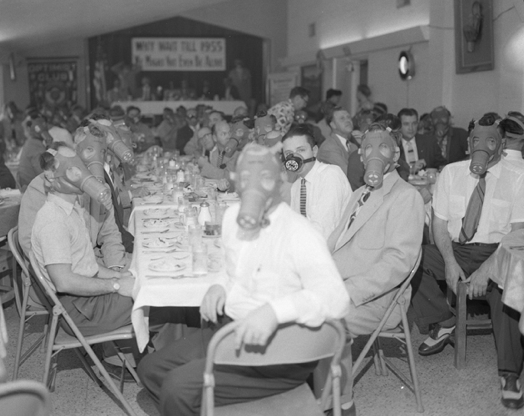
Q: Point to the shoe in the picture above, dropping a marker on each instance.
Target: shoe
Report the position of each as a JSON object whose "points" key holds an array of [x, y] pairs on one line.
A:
{"points": [[352, 411], [437, 340], [511, 392], [115, 372]]}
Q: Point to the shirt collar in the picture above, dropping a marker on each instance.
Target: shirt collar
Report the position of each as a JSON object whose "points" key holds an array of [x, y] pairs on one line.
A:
{"points": [[62, 203], [494, 170], [513, 154], [405, 142], [313, 172]]}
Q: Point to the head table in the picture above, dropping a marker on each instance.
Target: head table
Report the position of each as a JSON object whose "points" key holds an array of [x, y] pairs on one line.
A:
{"points": [[162, 255]]}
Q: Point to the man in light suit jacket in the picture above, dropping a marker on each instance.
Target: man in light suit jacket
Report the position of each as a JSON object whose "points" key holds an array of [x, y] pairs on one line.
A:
{"points": [[375, 249], [337, 147], [420, 150]]}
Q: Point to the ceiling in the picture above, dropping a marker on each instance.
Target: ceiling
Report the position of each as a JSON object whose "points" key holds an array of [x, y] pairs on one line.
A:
{"points": [[26, 24]]}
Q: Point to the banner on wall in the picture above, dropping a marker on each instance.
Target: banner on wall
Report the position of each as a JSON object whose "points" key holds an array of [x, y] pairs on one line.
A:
{"points": [[53, 82], [179, 54], [279, 85]]}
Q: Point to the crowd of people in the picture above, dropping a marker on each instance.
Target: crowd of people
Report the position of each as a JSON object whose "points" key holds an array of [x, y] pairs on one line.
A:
{"points": [[328, 227]]}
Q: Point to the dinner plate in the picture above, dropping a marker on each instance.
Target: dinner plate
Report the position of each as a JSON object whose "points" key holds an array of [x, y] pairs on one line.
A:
{"points": [[153, 223], [153, 199], [158, 242], [167, 265], [156, 212]]}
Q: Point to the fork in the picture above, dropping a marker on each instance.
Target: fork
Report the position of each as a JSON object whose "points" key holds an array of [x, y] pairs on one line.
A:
{"points": [[155, 232], [164, 251]]}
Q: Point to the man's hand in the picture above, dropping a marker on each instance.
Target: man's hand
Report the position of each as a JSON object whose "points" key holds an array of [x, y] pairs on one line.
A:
{"points": [[257, 327], [478, 283], [223, 184], [425, 194], [419, 164], [453, 273], [213, 303], [126, 273], [126, 286]]}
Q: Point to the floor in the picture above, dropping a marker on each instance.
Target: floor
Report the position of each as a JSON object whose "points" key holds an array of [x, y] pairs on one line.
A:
{"points": [[445, 391]]}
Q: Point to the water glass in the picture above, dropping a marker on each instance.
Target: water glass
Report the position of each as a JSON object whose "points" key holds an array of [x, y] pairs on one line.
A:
{"points": [[195, 235], [199, 259]]}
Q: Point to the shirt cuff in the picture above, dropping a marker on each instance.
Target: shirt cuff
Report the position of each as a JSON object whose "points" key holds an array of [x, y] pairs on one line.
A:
{"points": [[284, 310]]}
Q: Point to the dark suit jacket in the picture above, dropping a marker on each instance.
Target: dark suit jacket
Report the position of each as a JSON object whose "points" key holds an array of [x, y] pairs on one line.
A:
{"points": [[185, 133], [127, 238], [429, 150], [334, 153], [457, 145]]}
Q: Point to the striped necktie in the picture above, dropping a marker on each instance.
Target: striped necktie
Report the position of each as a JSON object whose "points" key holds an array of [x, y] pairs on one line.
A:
{"points": [[303, 197], [361, 201], [471, 220], [221, 159]]}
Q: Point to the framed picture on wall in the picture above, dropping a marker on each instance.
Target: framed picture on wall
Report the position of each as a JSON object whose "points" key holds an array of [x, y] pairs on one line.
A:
{"points": [[474, 36], [311, 79]]}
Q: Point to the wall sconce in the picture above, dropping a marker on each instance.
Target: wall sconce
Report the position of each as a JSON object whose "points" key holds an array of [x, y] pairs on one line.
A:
{"points": [[406, 65], [12, 67]]}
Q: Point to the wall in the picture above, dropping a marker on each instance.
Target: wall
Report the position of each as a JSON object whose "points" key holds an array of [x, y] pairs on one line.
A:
{"points": [[18, 90], [436, 82], [266, 19]]}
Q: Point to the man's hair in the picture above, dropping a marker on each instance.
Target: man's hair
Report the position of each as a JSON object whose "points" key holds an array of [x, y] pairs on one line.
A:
{"points": [[408, 112], [380, 108], [360, 116], [333, 93], [301, 130], [389, 120], [132, 107], [218, 112], [493, 114], [364, 89], [331, 113], [381, 127], [303, 92], [486, 120], [441, 108], [511, 126], [214, 127], [47, 160]]}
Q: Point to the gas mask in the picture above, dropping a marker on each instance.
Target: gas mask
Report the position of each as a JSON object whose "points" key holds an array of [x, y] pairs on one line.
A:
{"points": [[239, 138], [379, 153], [114, 141], [485, 143], [294, 162], [271, 139], [257, 179], [125, 133], [440, 120], [263, 125], [92, 148], [72, 177], [514, 135], [39, 129]]}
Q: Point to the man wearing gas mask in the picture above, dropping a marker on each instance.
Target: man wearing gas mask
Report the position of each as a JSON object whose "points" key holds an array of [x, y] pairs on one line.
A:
{"points": [[322, 191], [379, 235], [278, 271], [476, 202], [453, 141], [105, 236], [38, 140], [513, 126]]}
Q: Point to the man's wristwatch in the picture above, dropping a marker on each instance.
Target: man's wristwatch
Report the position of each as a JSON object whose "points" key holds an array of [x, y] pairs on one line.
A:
{"points": [[116, 285]]}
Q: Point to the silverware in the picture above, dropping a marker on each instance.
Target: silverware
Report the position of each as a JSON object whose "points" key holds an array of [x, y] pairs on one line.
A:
{"points": [[168, 276], [160, 218], [155, 232], [178, 258], [164, 251]]}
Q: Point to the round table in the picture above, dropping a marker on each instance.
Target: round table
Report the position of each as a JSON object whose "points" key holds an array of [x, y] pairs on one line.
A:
{"points": [[508, 272]]}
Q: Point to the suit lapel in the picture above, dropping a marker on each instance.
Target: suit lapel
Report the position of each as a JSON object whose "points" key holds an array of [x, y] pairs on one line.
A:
{"points": [[421, 147], [339, 144], [368, 210]]}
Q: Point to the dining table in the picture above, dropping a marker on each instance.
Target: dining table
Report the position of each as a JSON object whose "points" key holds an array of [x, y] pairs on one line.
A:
{"points": [[508, 272], [162, 260]]}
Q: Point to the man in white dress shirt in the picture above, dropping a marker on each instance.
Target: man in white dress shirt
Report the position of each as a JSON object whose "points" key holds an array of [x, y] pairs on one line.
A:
{"points": [[278, 270], [322, 191]]}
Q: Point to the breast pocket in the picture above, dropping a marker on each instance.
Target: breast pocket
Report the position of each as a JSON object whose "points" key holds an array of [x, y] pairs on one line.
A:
{"points": [[500, 211]]}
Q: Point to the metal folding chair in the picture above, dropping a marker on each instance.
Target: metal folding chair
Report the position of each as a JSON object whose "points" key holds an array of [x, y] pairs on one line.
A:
{"points": [[402, 334], [27, 308], [58, 340], [291, 344]]}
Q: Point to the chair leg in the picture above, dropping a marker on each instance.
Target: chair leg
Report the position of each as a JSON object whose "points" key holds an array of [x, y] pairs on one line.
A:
{"points": [[411, 358], [461, 328], [88, 368], [381, 358], [127, 365], [49, 350], [21, 329], [378, 360]]}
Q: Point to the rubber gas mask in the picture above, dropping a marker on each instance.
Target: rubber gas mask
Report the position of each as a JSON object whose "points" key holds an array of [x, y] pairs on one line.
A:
{"points": [[257, 180], [379, 153], [91, 147], [239, 138], [39, 129], [263, 125], [71, 176], [114, 142], [294, 162], [485, 144]]}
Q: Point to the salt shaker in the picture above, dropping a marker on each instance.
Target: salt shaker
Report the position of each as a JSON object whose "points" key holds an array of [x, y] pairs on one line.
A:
{"points": [[205, 214]]}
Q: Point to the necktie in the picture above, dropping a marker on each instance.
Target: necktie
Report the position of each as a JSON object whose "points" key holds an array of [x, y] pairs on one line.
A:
{"points": [[303, 197], [410, 157], [221, 158], [470, 222], [363, 198]]}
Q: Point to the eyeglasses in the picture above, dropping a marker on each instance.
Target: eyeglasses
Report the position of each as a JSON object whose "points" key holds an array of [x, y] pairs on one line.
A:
{"points": [[191, 117]]}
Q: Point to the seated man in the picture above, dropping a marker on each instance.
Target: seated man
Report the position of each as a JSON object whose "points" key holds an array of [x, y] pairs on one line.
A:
{"points": [[187, 130], [142, 133], [340, 144], [378, 238], [219, 164], [322, 192], [278, 271], [476, 202], [167, 130], [513, 126], [284, 111]]}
